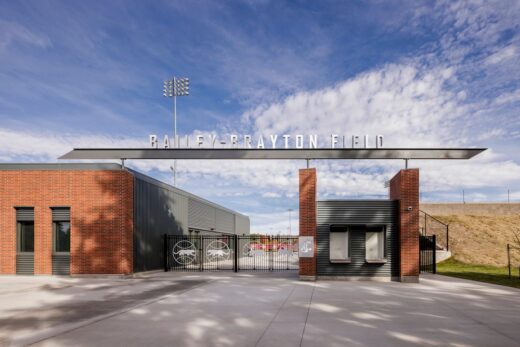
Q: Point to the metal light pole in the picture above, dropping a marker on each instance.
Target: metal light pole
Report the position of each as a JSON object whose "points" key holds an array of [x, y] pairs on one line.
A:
{"points": [[290, 229], [173, 88]]}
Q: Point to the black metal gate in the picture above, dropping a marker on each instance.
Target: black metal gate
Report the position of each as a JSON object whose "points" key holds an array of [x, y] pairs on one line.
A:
{"points": [[230, 252], [427, 248]]}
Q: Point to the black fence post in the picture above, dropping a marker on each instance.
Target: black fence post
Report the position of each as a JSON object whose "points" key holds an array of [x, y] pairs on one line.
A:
{"points": [[201, 253], [425, 222], [434, 255], [270, 250], [235, 265], [420, 253], [166, 267], [509, 260]]}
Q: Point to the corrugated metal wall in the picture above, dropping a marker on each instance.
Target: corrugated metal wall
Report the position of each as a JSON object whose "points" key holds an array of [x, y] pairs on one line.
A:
{"points": [[359, 213], [201, 216], [225, 221], [242, 225], [161, 209], [157, 211]]}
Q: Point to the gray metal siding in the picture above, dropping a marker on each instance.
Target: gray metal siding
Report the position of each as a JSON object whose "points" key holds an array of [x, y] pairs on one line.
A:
{"points": [[25, 264], [177, 190], [60, 214], [225, 222], [25, 214], [61, 264], [357, 213], [162, 209], [201, 216], [180, 211], [155, 214], [242, 225]]}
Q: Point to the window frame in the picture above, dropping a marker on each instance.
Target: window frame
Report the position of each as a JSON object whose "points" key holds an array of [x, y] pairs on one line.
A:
{"points": [[340, 229], [54, 228], [54, 234], [19, 236], [371, 229]]}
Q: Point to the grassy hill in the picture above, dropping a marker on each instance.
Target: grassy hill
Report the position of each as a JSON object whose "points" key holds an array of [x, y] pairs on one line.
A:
{"points": [[483, 273], [477, 239]]}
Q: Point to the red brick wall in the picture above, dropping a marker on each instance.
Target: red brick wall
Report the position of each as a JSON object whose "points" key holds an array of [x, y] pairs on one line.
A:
{"points": [[101, 206], [405, 188], [308, 218]]}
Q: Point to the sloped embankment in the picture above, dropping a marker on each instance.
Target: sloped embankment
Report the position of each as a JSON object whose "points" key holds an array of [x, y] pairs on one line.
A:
{"points": [[476, 239]]}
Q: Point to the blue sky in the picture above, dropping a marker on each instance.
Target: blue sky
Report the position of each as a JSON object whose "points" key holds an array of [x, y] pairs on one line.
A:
{"points": [[78, 73]]}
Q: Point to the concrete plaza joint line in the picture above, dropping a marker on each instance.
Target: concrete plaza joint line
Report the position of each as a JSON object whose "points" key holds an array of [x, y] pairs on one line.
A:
{"points": [[224, 309]]}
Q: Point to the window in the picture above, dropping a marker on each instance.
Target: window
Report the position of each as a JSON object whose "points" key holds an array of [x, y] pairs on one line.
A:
{"points": [[61, 229], [62, 237], [375, 244], [25, 229], [338, 245], [25, 236]]}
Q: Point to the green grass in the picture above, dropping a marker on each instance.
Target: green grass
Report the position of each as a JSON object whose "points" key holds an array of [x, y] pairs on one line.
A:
{"points": [[482, 273]]}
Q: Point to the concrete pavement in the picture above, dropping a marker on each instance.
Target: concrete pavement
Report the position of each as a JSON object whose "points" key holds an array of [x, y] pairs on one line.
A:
{"points": [[223, 309]]}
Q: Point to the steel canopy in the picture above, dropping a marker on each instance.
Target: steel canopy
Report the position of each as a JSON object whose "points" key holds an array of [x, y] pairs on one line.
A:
{"points": [[280, 154]]}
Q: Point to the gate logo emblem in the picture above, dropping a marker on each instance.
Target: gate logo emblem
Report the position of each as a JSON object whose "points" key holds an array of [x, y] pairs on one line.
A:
{"points": [[218, 250], [184, 252], [306, 249]]}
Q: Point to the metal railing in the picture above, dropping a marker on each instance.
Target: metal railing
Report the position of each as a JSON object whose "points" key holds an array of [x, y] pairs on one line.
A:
{"points": [[432, 226]]}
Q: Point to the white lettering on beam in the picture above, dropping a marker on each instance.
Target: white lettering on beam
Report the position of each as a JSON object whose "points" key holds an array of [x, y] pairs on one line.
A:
{"points": [[259, 141]]}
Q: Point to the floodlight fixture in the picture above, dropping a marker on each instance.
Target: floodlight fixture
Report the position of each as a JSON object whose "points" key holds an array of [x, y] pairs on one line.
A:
{"points": [[177, 86], [172, 88]]}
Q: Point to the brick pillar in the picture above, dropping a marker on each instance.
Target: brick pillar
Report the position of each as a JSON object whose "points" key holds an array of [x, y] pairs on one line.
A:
{"points": [[404, 187], [308, 219]]}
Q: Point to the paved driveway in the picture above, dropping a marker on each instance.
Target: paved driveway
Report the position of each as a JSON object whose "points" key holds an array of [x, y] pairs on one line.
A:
{"points": [[256, 310]]}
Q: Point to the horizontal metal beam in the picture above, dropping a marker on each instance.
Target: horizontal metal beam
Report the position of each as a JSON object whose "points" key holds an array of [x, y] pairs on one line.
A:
{"points": [[284, 154]]}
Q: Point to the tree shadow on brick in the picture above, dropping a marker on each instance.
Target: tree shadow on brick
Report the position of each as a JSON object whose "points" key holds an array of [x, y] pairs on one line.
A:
{"points": [[102, 226]]}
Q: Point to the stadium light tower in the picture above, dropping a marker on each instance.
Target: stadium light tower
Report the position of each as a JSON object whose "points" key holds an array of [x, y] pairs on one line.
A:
{"points": [[290, 228], [173, 88]]}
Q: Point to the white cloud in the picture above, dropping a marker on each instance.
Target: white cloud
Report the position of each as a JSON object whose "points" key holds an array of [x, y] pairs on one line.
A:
{"points": [[275, 223], [490, 134], [271, 195], [507, 98], [48, 146], [436, 98], [409, 106], [503, 54], [11, 32]]}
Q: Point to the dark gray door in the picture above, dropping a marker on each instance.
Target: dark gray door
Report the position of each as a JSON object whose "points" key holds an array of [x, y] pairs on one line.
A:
{"points": [[61, 241], [25, 241]]}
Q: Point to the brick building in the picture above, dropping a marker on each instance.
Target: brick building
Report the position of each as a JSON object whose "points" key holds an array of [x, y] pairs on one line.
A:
{"points": [[362, 239], [96, 219], [350, 239]]}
